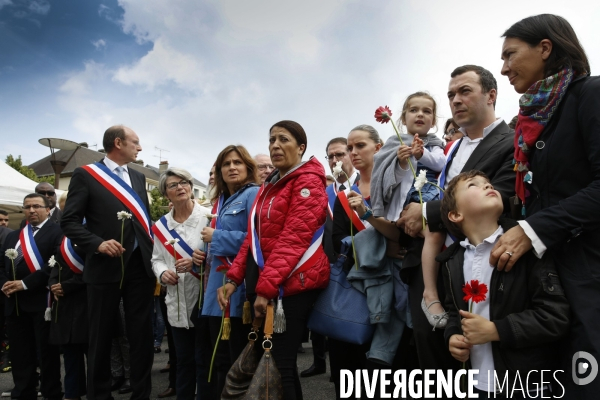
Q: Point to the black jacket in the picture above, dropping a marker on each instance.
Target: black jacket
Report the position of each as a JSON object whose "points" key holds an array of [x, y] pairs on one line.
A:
{"points": [[494, 157], [34, 299], [90, 200], [70, 325], [527, 305]]}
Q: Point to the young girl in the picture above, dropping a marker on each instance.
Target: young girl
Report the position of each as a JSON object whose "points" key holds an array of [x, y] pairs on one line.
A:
{"points": [[419, 116]]}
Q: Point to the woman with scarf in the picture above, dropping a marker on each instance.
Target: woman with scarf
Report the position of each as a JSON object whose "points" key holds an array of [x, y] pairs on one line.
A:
{"points": [[557, 160], [281, 259], [235, 187], [176, 239]]}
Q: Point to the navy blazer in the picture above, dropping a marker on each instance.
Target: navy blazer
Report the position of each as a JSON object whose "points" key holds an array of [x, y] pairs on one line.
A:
{"points": [[90, 200], [34, 299]]}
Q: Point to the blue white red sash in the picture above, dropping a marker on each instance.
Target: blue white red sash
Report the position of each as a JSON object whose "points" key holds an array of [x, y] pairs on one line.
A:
{"points": [[31, 254], [179, 249], [354, 217], [122, 191], [331, 196], [72, 259], [449, 156], [307, 260]]}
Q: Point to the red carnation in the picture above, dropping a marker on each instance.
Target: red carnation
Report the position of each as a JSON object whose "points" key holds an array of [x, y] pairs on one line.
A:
{"points": [[383, 114], [474, 291]]}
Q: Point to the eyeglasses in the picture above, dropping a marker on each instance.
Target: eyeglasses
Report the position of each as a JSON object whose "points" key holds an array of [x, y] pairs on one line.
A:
{"points": [[335, 155], [174, 185], [34, 206], [265, 166], [452, 131], [48, 193]]}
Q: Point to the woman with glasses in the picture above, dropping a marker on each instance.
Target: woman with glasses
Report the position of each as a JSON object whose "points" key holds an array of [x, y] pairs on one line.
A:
{"points": [[451, 132], [172, 265], [236, 185]]}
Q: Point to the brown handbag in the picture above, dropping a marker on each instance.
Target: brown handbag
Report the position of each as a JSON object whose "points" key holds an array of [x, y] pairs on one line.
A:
{"points": [[249, 380]]}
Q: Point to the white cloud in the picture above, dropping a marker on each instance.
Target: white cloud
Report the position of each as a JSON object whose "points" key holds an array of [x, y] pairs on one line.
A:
{"points": [[41, 7], [222, 72], [98, 44], [5, 3]]}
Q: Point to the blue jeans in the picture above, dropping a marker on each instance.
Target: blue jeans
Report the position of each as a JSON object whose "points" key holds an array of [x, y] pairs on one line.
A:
{"points": [[158, 323], [75, 378]]}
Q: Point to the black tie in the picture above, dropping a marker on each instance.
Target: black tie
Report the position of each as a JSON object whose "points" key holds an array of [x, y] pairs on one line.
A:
{"points": [[342, 187]]}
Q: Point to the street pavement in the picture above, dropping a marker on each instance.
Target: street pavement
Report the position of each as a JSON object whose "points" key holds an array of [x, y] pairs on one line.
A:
{"points": [[313, 388]]}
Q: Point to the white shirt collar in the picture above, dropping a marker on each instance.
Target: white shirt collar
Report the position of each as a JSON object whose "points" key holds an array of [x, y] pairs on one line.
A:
{"points": [[347, 184], [42, 224], [486, 130], [192, 220], [490, 239], [113, 165]]}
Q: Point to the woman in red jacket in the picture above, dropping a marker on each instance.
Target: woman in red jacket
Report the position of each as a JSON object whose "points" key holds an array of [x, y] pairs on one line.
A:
{"points": [[282, 258]]}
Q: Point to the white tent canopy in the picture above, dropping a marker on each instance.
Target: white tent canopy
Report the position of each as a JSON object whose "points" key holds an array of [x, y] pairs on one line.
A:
{"points": [[13, 188]]}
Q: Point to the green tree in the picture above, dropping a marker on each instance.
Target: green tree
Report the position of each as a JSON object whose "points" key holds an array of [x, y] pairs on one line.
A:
{"points": [[156, 202], [17, 164]]}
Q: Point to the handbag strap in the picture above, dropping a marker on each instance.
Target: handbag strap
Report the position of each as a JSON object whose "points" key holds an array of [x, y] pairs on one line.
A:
{"points": [[269, 321]]}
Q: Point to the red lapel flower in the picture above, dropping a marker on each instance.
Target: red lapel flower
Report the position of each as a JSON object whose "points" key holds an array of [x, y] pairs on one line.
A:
{"points": [[383, 114], [474, 291]]}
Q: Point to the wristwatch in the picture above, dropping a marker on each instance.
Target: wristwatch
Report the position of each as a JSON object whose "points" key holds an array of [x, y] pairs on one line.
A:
{"points": [[367, 215], [235, 285]]}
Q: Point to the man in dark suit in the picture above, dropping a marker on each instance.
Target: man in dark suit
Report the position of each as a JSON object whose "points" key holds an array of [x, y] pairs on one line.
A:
{"points": [[47, 190], [27, 300], [103, 273], [487, 146]]}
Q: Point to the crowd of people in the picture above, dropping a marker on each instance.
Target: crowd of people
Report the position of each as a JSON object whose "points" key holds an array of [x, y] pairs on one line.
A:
{"points": [[414, 221]]}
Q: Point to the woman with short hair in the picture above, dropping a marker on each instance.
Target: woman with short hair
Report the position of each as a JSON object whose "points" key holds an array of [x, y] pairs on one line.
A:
{"points": [[176, 238]]}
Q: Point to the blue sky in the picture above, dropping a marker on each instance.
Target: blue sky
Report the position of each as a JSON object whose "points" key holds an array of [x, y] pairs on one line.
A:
{"points": [[194, 76]]}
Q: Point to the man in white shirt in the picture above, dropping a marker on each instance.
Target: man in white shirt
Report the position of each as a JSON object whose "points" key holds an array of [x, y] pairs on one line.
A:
{"points": [[487, 146]]}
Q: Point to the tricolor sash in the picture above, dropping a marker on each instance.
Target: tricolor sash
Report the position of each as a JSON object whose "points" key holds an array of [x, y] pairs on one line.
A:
{"points": [[122, 191], [72, 259], [31, 254], [306, 261], [451, 153], [331, 195], [354, 217], [180, 249]]}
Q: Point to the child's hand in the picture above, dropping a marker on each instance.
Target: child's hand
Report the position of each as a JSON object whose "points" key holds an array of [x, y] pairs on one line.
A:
{"points": [[459, 348], [417, 147], [478, 330], [403, 153]]}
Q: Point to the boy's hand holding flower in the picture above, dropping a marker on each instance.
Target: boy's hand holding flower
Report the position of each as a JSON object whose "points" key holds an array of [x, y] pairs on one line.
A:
{"points": [[478, 330], [459, 348]]}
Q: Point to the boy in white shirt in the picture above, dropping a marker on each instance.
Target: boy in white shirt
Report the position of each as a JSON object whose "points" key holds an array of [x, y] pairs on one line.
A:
{"points": [[515, 329]]}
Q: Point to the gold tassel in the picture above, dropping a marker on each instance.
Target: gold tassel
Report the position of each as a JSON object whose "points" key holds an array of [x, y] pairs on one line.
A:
{"points": [[157, 289], [226, 329], [246, 314]]}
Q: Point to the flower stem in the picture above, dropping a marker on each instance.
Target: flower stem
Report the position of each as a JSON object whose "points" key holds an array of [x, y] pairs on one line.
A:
{"points": [[175, 257], [402, 143], [122, 263], [14, 279], [56, 312], [212, 360], [421, 201], [464, 364]]}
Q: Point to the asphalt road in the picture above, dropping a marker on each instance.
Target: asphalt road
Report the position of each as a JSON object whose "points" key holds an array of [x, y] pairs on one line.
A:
{"points": [[314, 388]]}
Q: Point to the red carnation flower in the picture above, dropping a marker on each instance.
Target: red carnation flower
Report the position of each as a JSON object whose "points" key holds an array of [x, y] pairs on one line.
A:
{"points": [[475, 291], [383, 114]]}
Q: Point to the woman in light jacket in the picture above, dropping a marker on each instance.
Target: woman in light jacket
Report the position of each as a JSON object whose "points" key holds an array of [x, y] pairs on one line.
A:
{"points": [[182, 224], [236, 185]]}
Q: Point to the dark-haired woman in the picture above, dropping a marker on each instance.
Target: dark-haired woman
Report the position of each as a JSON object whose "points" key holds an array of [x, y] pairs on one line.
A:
{"points": [[557, 158], [236, 185], [281, 258]]}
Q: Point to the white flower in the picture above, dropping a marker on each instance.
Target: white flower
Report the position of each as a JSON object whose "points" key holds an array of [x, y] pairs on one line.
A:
{"points": [[121, 215], [421, 180], [52, 262], [172, 241], [337, 170], [11, 253], [211, 216]]}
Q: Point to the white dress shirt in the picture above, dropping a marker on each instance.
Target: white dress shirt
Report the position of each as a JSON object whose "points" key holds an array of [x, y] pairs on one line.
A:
{"points": [[347, 184], [113, 167], [477, 266]]}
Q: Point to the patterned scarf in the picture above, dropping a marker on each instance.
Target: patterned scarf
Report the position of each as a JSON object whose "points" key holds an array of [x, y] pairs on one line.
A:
{"points": [[537, 106]]}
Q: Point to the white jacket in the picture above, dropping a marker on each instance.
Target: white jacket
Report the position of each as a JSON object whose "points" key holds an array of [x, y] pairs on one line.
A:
{"points": [[189, 286]]}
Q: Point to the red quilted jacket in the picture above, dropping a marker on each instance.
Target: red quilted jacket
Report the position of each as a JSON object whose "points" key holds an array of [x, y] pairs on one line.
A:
{"points": [[289, 212]]}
